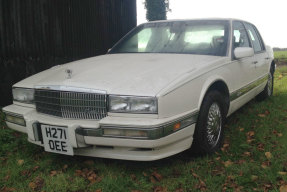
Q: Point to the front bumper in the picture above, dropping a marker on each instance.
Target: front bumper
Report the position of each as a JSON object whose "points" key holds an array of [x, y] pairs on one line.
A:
{"points": [[109, 147]]}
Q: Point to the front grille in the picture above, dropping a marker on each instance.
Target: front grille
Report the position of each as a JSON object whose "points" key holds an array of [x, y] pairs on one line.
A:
{"points": [[71, 105]]}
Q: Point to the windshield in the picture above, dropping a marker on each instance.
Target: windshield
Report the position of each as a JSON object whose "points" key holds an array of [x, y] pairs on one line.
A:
{"points": [[186, 37]]}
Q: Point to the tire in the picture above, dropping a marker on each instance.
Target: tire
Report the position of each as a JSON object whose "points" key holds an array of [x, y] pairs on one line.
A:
{"points": [[208, 138], [268, 90]]}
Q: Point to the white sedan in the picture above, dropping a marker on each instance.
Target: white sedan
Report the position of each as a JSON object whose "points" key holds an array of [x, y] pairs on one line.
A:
{"points": [[166, 87]]}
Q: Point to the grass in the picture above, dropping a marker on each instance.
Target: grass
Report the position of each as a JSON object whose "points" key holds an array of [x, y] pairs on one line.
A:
{"points": [[253, 158], [280, 57]]}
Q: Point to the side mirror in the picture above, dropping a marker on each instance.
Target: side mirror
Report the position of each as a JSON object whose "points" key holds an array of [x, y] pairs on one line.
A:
{"points": [[242, 52]]}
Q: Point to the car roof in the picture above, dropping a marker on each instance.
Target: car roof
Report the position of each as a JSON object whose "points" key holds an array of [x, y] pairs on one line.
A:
{"points": [[199, 19]]}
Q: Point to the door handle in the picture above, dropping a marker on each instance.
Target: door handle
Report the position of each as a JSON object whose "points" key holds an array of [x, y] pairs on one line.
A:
{"points": [[254, 62]]}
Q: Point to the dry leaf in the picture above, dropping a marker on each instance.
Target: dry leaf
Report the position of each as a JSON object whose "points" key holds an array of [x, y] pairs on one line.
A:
{"points": [[228, 163], [283, 188], [133, 177], [254, 177], [268, 155], [65, 166], [152, 179], [157, 176], [249, 141], [225, 145], [78, 172], [32, 185], [53, 173], [250, 133], [265, 164], [279, 134], [7, 189], [248, 154], [241, 129], [195, 175], [282, 173], [261, 115], [20, 162], [160, 189], [35, 168]]}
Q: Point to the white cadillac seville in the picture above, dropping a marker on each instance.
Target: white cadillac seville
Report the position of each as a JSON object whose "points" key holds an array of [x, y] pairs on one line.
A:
{"points": [[164, 87]]}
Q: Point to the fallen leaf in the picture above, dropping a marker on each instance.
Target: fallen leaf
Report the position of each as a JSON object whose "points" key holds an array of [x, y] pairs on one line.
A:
{"points": [[265, 164], [279, 134], [250, 133], [201, 186], [160, 189], [53, 173], [254, 177], [280, 76], [65, 166], [246, 153], [20, 162], [7, 189], [283, 188], [261, 115], [241, 129], [152, 179], [35, 168], [282, 173], [133, 177], [268, 155], [99, 190], [32, 185], [195, 175], [228, 163], [241, 161], [217, 158], [179, 190], [157, 176], [260, 147], [225, 145]]}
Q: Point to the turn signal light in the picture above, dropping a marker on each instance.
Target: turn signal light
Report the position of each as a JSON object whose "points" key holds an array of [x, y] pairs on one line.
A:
{"points": [[16, 119]]}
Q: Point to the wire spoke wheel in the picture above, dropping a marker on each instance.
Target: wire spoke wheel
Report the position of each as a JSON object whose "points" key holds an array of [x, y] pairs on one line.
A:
{"points": [[214, 124]]}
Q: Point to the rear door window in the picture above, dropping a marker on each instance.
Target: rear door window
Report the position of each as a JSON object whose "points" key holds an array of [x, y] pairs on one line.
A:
{"points": [[255, 38]]}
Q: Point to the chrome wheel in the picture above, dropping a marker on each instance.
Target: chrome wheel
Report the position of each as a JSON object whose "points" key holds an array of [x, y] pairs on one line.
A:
{"points": [[214, 124], [269, 84]]}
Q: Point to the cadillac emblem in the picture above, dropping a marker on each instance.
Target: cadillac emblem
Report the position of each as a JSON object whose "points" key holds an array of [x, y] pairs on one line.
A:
{"points": [[69, 73]]}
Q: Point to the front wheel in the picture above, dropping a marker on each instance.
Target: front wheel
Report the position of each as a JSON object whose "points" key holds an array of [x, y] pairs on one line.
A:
{"points": [[209, 132]]}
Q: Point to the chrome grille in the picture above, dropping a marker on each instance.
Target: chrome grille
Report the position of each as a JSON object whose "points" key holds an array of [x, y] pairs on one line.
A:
{"points": [[71, 105]]}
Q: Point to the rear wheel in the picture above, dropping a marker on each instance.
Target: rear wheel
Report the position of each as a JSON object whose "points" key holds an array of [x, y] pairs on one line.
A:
{"points": [[268, 90], [209, 132]]}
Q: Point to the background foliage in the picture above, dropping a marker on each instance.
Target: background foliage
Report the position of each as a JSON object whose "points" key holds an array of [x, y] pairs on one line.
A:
{"points": [[156, 9]]}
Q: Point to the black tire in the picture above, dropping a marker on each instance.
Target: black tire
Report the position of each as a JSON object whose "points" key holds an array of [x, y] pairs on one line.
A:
{"points": [[268, 90], [202, 142]]}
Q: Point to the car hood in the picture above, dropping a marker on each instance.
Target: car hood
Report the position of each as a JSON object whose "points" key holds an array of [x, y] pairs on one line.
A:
{"points": [[124, 74]]}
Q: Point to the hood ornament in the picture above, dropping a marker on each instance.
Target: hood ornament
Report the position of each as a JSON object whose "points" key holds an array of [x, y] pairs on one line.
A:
{"points": [[69, 73]]}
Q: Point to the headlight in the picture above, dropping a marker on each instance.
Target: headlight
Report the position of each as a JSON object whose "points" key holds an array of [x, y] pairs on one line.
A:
{"points": [[131, 104], [23, 95]]}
